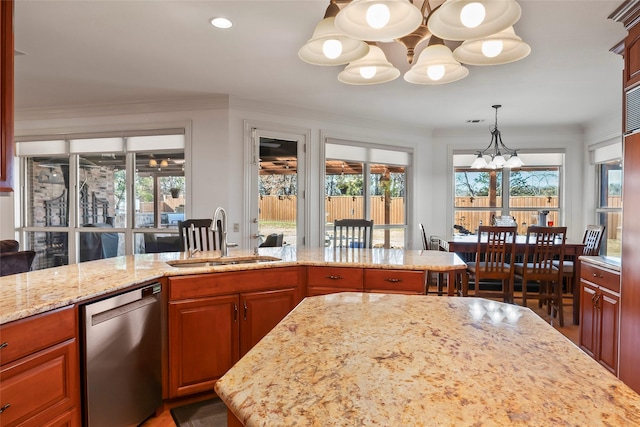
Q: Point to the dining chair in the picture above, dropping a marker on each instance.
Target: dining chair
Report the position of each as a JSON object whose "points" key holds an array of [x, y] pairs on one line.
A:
{"points": [[353, 233], [425, 243], [197, 234], [592, 241], [544, 245], [495, 248]]}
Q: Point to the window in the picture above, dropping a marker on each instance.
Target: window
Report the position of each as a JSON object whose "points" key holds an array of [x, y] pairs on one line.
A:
{"points": [[366, 182], [77, 206], [609, 208], [533, 194]]}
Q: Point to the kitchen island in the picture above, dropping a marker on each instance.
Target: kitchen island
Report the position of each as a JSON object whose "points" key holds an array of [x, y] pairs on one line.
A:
{"points": [[394, 360], [27, 294]]}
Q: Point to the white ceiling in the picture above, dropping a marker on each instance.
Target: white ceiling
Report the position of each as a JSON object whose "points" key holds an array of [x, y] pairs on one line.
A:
{"points": [[106, 52]]}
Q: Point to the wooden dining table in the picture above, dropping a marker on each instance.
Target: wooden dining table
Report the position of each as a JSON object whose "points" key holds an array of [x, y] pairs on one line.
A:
{"points": [[466, 246]]}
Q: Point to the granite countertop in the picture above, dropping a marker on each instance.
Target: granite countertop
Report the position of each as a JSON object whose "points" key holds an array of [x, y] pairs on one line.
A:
{"points": [[26, 294], [612, 263], [395, 360]]}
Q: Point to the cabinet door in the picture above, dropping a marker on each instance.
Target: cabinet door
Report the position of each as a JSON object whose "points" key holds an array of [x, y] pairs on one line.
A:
{"points": [[609, 307], [203, 342], [38, 388], [588, 317], [260, 312], [630, 286]]}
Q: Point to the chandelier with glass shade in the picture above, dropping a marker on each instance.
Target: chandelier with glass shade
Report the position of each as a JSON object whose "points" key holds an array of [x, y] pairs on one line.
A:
{"points": [[496, 151], [351, 30]]}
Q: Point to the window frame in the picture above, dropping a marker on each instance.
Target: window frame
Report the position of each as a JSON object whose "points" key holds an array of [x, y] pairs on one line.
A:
{"points": [[550, 159], [67, 148]]}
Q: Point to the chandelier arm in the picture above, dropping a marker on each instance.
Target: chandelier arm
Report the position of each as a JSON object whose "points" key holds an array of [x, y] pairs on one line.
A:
{"points": [[425, 7], [493, 143], [509, 150]]}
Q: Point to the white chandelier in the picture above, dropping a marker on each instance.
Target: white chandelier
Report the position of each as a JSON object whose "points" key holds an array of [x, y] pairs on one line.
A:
{"points": [[497, 155], [348, 35]]}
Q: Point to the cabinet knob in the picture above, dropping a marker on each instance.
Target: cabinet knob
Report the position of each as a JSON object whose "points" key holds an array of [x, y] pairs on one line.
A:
{"points": [[4, 407]]}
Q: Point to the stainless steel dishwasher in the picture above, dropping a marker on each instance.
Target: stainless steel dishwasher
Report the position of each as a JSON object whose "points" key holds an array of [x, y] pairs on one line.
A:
{"points": [[122, 382]]}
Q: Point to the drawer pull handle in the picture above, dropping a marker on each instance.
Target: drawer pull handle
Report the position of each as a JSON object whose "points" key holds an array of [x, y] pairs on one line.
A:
{"points": [[4, 344], [4, 407], [245, 310], [334, 277], [393, 280]]}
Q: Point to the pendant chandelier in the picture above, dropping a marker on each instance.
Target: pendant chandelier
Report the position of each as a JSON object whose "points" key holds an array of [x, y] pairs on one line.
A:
{"points": [[496, 150], [351, 28]]}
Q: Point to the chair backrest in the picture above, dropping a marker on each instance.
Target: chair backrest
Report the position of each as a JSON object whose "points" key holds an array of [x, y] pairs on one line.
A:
{"points": [[425, 243], [544, 246], [16, 262], [273, 240], [353, 233], [495, 248], [198, 234], [592, 239]]}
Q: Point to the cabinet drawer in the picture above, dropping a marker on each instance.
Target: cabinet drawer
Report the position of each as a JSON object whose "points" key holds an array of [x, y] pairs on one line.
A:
{"points": [[204, 285], [335, 277], [32, 334], [39, 387], [394, 281], [600, 276]]}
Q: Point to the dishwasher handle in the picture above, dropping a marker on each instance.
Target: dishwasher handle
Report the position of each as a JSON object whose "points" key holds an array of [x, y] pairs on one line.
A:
{"points": [[148, 295]]}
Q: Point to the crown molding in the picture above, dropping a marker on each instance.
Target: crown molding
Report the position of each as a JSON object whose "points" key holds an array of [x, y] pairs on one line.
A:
{"points": [[183, 104], [628, 13]]}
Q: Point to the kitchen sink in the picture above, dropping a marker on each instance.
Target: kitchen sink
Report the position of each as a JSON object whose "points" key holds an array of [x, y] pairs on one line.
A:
{"points": [[258, 259]]}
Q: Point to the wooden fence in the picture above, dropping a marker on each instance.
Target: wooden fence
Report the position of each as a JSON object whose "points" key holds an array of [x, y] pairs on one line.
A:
{"points": [[470, 219], [283, 208]]}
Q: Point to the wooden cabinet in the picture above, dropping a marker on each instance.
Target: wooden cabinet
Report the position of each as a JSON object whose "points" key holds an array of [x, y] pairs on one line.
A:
{"points": [[260, 312], [395, 281], [628, 13], [600, 314], [6, 95], [203, 342], [39, 374], [632, 57], [329, 280], [214, 319]]}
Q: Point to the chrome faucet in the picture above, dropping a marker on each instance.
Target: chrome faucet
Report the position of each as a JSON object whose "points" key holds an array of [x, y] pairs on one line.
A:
{"points": [[224, 244], [192, 252]]}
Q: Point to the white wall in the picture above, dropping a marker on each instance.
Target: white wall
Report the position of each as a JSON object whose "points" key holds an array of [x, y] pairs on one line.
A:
{"points": [[215, 147], [216, 143], [319, 126]]}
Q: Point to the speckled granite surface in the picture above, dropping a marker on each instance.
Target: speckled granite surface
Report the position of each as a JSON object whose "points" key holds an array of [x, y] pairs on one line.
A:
{"points": [[356, 359], [26, 294]]}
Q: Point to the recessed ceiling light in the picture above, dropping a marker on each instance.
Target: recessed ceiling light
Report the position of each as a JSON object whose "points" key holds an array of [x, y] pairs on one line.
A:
{"points": [[221, 23]]}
